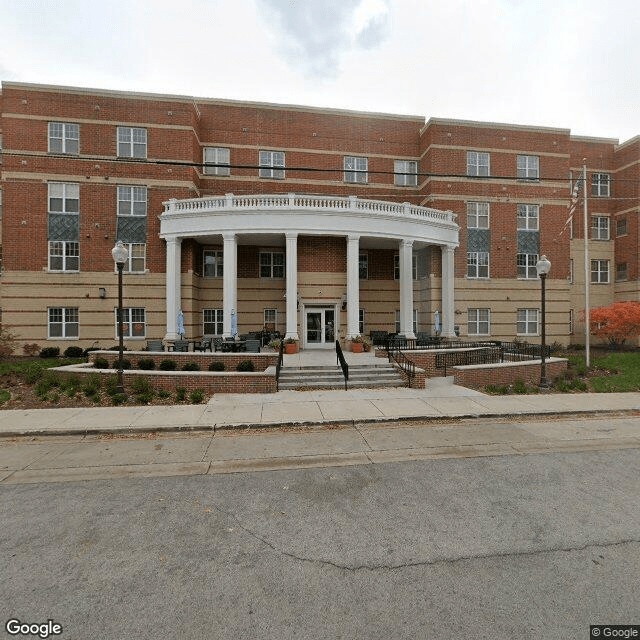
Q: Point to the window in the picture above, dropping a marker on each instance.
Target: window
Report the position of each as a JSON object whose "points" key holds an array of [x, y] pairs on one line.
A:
{"points": [[363, 266], [132, 201], [570, 270], [477, 163], [216, 156], [406, 173], [528, 216], [133, 323], [415, 320], [355, 169], [63, 322], [64, 256], [599, 271], [478, 264], [361, 321], [136, 261], [600, 184], [64, 138], [570, 321], [271, 264], [396, 267], [599, 227], [527, 323], [271, 318], [212, 322], [213, 263], [478, 322], [477, 215], [621, 227], [64, 197], [528, 167], [527, 265], [621, 271], [132, 142], [275, 161]]}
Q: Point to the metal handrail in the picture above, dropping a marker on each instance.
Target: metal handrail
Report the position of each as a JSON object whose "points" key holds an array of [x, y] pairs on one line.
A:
{"points": [[279, 363], [408, 366], [343, 363]]}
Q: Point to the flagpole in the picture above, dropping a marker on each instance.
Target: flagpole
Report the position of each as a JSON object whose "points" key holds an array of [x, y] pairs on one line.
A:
{"points": [[587, 271]]}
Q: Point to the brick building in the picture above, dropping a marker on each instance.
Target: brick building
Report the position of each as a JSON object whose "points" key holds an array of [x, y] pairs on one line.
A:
{"points": [[321, 223]]}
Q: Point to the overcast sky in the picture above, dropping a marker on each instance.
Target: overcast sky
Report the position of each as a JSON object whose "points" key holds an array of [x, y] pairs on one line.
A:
{"points": [[563, 63]]}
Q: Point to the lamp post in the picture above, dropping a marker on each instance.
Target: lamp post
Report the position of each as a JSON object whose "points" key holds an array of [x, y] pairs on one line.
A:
{"points": [[543, 267], [120, 255]]}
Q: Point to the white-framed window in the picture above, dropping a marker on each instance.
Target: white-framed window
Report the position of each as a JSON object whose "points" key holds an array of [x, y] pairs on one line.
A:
{"points": [[356, 169], [600, 228], [570, 270], [132, 142], [272, 264], [478, 322], [213, 264], [477, 215], [361, 321], [271, 318], [621, 227], [396, 267], [216, 161], [621, 271], [132, 201], [527, 322], [212, 322], [528, 217], [477, 163], [415, 320], [136, 260], [64, 255], [570, 321], [528, 167], [478, 264], [363, 266], [405, 173], [599, 271], [64, 197], [397, 320], [63, 322], [600, 185], [64, 137], [272, 164], [134, 324], [526, 263]]}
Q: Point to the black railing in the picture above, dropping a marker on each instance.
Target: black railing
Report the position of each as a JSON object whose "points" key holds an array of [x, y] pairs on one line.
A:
{"points": [[408, 366], [343, 363], [516, 351], [488, 355], [279, 363]]}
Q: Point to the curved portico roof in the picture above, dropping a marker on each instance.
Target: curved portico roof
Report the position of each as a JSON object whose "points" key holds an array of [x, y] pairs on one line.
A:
{"points": [[307, 215]]}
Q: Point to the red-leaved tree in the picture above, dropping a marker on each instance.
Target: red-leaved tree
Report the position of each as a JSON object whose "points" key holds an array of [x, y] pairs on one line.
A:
{"points": [[616, 323]]}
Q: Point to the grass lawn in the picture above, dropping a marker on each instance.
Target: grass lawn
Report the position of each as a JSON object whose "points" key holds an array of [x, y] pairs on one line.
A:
{"points": [[616, 372]]}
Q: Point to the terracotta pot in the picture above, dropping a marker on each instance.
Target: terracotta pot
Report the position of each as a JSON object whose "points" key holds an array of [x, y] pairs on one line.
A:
{"points": [[291, 347], [356, 347]]}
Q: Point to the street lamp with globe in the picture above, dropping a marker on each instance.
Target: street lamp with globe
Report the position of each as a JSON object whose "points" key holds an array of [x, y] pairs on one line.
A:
{"points": [[543, 266], [120, 255]]}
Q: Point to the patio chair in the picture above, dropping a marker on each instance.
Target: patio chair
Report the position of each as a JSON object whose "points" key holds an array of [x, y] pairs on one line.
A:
{"points": [[202, 345], [252, 346], [181, 345], [155, 345]]}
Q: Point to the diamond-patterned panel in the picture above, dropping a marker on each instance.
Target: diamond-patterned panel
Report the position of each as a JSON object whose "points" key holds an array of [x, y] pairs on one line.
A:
{"points": [[64, 226]]}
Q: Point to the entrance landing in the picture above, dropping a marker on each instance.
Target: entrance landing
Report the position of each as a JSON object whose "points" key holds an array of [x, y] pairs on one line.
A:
{"points": [[328, 358]]}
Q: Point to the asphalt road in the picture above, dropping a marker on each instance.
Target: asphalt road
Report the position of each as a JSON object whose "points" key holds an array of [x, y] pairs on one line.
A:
{"points": [[533, 546]]}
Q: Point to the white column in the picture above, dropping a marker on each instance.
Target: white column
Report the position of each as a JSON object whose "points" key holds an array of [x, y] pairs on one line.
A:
{"points": [[292, 285], [448, 301], [353, 286], [173, 294], [229, 281], [406, 289]]}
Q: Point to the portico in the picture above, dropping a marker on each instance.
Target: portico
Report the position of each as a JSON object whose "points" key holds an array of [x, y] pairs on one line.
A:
{"points": [[313, 304]]}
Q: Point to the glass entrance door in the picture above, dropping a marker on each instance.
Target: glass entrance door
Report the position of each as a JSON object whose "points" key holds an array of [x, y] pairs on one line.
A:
{"points": [[314, 327], [319, 327]]}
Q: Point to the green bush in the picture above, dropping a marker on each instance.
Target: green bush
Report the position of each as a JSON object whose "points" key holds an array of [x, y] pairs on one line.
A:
{"points": [[245, 365], [562, 385], [168, 365], [146, 364], [496, 390], [181, 394], [32, 373], [92, 385], [126, 364], [519, 386], [4, 396], [111, 385], [118, 398], [191, 366], [50, 352], [141, 385], [196, 396], [101, 363], [73, 352], [163, 393], [217, 366]]}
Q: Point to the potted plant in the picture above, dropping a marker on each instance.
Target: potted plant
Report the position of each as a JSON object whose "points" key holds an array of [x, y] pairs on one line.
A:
{"points": [[357, 344], [274, 344], [291, 346]]}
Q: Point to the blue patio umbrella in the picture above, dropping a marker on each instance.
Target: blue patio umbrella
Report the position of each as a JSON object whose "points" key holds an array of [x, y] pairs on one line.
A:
{"points": [[180, 323], [234, 323], [436, 322]]}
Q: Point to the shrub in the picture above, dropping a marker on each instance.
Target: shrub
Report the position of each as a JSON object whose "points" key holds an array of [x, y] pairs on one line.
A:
{"points": [[141, 385], [92, 385], [168, 365], [196, 396], [191, 366], [31, 349], [181, 394], [519, 386], [217, 366], [163, 393], [101, 363], [118, 398], [245, 365], [146, 364], [50, 352], [562, 385], [4, 396], [126, 364], [494, 389], [7, 343], [32, 373], [73, 352]]}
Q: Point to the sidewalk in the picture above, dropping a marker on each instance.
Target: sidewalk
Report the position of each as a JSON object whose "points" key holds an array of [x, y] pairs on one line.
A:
{"points": [[440, 400]]}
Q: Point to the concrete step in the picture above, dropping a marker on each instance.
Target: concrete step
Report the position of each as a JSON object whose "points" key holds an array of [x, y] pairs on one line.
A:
{"points": [[360, 376]]}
